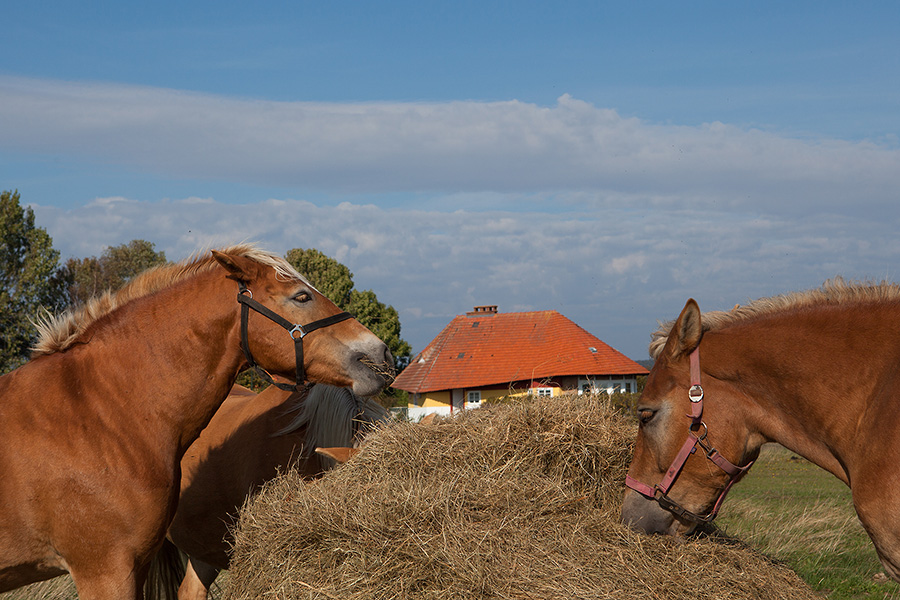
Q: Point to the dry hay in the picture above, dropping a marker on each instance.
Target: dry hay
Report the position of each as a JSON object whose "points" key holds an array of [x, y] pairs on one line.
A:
{"points": [[517, 501]]}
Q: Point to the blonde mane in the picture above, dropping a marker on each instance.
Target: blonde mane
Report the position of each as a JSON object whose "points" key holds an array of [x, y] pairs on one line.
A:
{"points": [[833, 292], [59, 332]]}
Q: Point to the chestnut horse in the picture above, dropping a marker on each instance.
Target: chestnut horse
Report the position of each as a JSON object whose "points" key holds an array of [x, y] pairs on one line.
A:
{"points": [[817, 372], [89, 462], [248, 442]]}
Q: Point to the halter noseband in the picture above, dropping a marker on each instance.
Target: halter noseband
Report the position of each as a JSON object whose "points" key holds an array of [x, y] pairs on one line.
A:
{"points": [[660, 491], [295, 330]]}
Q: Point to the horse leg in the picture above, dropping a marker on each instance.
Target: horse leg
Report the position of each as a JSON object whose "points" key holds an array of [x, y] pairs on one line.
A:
{"points": [[111, 584], [116, 574], [877, 513], [887, 544], [197, 580]]}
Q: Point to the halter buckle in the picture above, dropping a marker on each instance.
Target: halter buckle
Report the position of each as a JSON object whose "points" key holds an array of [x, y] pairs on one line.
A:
{"points": [[297, 328], [695, 393]]}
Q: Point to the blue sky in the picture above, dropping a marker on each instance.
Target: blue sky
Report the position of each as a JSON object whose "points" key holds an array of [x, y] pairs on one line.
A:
{"points": [[607, 160]]}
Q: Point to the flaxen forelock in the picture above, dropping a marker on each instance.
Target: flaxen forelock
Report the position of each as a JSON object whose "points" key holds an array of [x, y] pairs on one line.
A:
{"points": [[832, 292]]}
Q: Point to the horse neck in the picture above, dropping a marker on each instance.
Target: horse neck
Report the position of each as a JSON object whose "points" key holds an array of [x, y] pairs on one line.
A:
{"points": [[797, 386], [181, 345], [327, 417], [251, 433]]}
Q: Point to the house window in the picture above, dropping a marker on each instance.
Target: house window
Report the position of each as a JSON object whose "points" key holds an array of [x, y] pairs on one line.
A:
{"points": [[544, 391], [474, 396], [608, 386]]}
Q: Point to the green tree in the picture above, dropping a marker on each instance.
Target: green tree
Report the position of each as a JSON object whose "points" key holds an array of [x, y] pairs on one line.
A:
{"points": [[335, 281], [383, 321], [30, 281], [88, 277], [327, 275]]}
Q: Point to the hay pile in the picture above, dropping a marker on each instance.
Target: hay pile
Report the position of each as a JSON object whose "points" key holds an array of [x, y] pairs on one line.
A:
{"points": [[517, 501]]}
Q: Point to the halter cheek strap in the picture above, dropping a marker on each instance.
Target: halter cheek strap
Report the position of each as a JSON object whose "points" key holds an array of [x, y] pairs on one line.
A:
{"points": [[296, 331], [660, 492]]}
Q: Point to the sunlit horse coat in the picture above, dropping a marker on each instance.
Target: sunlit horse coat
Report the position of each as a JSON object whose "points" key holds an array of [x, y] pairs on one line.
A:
{"points": [[818, 372], [89, 460]]}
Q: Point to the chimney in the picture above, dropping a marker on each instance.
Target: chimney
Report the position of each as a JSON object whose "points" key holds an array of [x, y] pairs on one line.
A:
{"points": [[480, 311]]}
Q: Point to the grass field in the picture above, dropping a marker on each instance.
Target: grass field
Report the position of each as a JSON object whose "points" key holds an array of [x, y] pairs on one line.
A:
{"points": [[803, 516]]}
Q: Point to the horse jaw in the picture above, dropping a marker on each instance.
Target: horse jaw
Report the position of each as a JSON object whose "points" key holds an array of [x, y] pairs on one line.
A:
{"points": [[646, 516]]}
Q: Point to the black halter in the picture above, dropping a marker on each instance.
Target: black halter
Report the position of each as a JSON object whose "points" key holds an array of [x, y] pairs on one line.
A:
{"points": [[296, 331]]}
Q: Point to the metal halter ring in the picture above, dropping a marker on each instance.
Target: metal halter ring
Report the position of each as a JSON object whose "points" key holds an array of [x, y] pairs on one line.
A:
{"points": [[299, 328], [701, 436]]}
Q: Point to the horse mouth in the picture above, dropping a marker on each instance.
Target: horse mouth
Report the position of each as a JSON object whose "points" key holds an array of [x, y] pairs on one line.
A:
{"points": [[385, 370]]}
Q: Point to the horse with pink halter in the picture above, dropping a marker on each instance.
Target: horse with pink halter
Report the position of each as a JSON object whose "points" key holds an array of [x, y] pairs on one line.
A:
{"points": [[817, 372]]}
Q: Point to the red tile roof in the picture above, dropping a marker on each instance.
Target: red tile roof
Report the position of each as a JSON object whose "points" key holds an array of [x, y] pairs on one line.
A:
{"points": [[478, 350]]}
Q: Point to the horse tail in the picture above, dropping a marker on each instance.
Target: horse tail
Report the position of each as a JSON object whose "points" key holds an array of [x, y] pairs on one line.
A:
{"points": [[167, 570]]}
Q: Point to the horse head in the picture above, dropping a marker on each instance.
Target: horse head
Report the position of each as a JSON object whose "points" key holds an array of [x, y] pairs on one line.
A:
{"points": [[296, 332], [679, 474]]}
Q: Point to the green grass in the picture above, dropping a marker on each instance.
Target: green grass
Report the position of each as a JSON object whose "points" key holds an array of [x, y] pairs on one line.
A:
{"points": [[803, 516]]}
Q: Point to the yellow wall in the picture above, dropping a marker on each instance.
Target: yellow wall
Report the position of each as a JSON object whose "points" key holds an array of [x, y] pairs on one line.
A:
{"points": [[491, 394], [435, 399]]}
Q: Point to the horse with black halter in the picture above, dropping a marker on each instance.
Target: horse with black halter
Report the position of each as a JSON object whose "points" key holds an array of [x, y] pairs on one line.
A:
{"points": [[89, 461]]}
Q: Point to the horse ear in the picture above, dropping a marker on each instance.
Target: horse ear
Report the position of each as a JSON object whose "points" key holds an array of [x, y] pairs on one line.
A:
{"points": [[686, 333], [239, 268], [339, 454]]}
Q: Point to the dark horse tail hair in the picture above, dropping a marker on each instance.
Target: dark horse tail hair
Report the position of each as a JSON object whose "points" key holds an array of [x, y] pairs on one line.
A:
{"points": [[166, 573]]}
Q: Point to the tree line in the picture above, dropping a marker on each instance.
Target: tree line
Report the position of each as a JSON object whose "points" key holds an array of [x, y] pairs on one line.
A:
{"points": [[33, 282]]}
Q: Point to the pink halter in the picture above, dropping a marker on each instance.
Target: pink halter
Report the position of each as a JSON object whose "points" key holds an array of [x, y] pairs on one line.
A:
{"points": [[660, 491]]}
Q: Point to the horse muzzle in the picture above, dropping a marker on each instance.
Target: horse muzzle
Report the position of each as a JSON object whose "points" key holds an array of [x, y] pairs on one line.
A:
{"points": [[372, 368], [647, 516]]}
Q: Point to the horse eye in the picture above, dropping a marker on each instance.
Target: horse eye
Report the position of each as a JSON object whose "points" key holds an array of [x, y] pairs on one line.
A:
{"points": [[646, 415], [302, 297]]}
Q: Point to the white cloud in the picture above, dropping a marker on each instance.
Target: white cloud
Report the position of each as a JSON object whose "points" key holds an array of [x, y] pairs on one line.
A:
{"points": [[507, 147], [615, 273], [613, 221]]}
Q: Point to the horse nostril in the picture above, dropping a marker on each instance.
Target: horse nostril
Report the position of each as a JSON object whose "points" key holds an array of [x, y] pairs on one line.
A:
{"points": [[379, 361]]}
